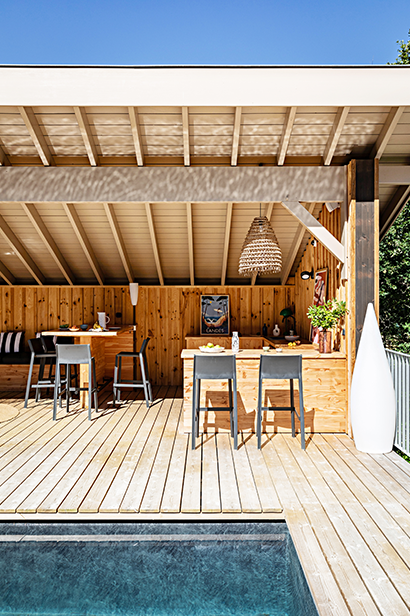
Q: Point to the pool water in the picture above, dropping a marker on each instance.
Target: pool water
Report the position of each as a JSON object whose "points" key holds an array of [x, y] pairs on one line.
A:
{"points": [[151, 569]]}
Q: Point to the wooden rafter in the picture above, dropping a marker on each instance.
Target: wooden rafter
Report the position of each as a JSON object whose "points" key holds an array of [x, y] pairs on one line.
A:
{"points": [[236, 133], [335, 133], [225, 254], [20, 251], [6, 274], [154, 242], [316, 229], [268, 214], [297, 240], [136, 135], [393, 209], [190, 243], [85, 130], [38, 224], [83, 239], [37, 136], [387, 131], [116, 231], [4, 155], [287, 131], [185, 134]]}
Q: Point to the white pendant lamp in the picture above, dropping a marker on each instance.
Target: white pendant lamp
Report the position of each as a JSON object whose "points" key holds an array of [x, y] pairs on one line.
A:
{"points": [[260, 252], [373, 401]]}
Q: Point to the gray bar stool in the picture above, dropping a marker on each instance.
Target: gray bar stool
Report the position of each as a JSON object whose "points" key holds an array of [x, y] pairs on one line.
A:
{"points": [[218, 368], [127, 384], [39, 353], [74, 355], [282, 367]]}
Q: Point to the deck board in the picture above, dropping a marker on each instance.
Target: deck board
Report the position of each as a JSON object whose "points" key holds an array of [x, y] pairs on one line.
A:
{"points": [[348, 512]]}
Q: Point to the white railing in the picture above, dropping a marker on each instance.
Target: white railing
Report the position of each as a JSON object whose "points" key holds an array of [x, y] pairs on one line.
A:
{"points": [[400, 369]]}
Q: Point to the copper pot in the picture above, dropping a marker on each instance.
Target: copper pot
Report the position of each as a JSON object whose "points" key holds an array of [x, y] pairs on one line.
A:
{"points": [[325, 341]]}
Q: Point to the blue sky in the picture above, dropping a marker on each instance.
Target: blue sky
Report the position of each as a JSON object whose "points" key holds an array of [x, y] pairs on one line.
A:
{"points": [[201, 32]]}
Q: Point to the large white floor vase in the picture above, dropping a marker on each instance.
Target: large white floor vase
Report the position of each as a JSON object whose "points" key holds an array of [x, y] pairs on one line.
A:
{"points": [[373, 401]]}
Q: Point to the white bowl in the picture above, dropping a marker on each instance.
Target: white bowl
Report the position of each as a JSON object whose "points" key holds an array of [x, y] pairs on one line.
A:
{"points": [[205, 349], [266, 349], [292, 338]]}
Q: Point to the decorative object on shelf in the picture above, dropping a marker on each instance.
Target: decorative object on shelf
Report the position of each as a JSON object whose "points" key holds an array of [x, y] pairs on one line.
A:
{"points": [[276, 331], [286, 314], [319, 298], [235, 342], [264, 330], [134, 302], [260, 254], [373, 401], [324, 318], [103, 319], [214, 315], [307, 275]]}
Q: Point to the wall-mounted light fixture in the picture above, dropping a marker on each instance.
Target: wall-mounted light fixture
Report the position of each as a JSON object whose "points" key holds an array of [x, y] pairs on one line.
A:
{"points": [[306, 275]]}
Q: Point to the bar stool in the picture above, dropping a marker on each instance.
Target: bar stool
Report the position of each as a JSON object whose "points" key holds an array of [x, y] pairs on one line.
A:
{"points": [[282, 367], [133, 383], [214, 368], [44, 357], [74, 355]]}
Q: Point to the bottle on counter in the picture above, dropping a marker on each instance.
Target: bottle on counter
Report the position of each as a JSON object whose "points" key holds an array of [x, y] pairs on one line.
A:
{"points": [[264, 330], [235, 342], [276, 331]]}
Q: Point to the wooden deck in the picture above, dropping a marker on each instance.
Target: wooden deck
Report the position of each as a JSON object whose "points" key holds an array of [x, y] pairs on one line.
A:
{"points": [[348, 512]]}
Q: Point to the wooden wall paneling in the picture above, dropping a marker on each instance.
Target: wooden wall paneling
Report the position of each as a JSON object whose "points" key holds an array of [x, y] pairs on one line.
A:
{"points": [[267, 308], [99, 301], [65, 306], [31, 315], [109, 303], [88, 305], [235, 302], [53, 307], [256, 311], [77, 306], [42, 308], [19, 320], [119, 300], [246, 311]]}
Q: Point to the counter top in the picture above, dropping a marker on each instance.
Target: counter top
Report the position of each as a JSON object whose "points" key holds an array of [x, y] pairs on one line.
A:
{"points": [[306, 350]]}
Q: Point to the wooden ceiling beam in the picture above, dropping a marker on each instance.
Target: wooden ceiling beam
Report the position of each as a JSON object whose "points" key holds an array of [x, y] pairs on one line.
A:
{"points": [[268, 214], [40, 227], [225, 254], [6, 274], [185, 135], [190, 243], [84, 241], [136, 135], [119, 241], [393, 209], [297, 240], [386, 132], [335, 133], [287, 131], [37, 136], [154, 242], [21, 252], [85, 130], [4, 155], [236, 135]]}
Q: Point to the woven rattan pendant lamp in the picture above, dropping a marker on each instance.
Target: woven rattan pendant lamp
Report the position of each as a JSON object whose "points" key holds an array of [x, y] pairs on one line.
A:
{"points": [[260, 252]]}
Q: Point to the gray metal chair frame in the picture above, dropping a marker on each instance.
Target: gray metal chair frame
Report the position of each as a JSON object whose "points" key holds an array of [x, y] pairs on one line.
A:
{"points": [[282, 367], [215, 368], [131, 383], [46, 357], [74, 355]]}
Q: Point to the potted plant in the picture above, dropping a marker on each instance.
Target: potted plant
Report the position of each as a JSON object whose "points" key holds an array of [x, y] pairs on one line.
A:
{"points": [[325, 318]]}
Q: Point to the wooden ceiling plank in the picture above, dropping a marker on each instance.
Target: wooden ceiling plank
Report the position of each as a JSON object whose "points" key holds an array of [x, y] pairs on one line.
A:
{"points": [[116, 231], [236, 134], [335, 133], [6, 274], [185, 134], [136, 135], [190, 243], [85, 130], [287, 131], [316, 229], [300, 232], [21, 252], [36, 135], [387, 131], [40, 227], [154, 242], [268, 214], [83, 239], [225, 254], [393, 209]]}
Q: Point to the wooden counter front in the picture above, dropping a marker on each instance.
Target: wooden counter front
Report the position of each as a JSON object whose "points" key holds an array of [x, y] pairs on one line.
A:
{"points": [[324, 388]]}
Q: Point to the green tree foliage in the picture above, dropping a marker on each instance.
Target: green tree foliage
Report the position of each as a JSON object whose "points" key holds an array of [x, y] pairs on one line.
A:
{"points": [[395, 267]]}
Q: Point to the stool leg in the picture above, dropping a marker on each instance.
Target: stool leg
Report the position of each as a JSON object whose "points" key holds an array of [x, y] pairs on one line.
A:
{"points": [[292, 405], [193, 431], [235, 414], [302, 415], [40, 378], [119, 379], [144, 380], [230, 405], [259, 415], [95, 386], [90, 388], [198, 396], [30, 374], [67, 387], [114, 389], [56, 390]]}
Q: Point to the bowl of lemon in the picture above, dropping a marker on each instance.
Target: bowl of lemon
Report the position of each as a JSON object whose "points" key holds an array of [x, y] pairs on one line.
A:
{"points": [[211, 348]]}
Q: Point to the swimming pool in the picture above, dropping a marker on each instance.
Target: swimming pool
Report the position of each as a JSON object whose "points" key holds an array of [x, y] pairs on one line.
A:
{"points": [[151, 569]]}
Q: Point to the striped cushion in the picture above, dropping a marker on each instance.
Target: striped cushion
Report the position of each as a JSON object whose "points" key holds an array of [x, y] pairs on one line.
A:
{"points": [[11, 342]]}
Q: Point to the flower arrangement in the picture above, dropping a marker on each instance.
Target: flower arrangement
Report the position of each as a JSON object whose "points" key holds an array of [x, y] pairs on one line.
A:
{"points": [[327, 315]]}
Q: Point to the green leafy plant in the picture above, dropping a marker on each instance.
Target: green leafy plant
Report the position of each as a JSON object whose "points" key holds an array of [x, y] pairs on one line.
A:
{"points": [[328, 315]]}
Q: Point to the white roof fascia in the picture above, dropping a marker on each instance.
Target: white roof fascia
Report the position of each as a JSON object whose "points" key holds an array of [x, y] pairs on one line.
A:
{"points": [[205, 86]]}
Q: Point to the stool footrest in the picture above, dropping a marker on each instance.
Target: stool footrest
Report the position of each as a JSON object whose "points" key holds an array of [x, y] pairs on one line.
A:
{"points": [[215, 408]]}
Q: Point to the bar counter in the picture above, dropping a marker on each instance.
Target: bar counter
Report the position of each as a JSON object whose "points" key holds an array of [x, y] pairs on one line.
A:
{"points": [[324, 388]]}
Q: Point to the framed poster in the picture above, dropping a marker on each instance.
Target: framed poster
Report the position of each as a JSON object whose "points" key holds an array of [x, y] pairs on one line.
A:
{"points": [[214, 315], [319, 298]]}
